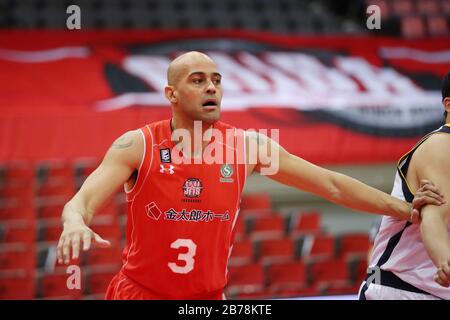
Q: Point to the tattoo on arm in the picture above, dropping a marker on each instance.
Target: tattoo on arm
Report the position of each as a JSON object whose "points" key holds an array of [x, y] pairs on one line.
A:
{"points": [[122, 143]]}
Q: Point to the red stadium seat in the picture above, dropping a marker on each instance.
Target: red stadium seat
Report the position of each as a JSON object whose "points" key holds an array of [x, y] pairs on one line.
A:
{"points": [[47, 209], [268, 228], [359, 271], [16, 210], [242, 253], [403, 7], [428, 7], [18, 231], [276, 250], [55, 286], [50, 230], [17, 191], [330, 272], [286, 276], [122, 205], [341, 289], [438, 25], [245, 279], [352, 245], [256, 204], [305, 292], [319, 247], [55, 188], [263, 294], [110, 208], [56, 170], [385, 9], [445, 4], [83, 168], [306, 223], [413, 27], [17, 256], [240, 229], [15, 285], [95, 296], [16, 172]]}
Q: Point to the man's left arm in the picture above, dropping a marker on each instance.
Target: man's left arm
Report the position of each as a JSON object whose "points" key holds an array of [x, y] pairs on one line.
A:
{"points": [[335, 187]]}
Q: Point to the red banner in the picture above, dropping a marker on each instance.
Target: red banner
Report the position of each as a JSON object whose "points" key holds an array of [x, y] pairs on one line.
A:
{"points": [[334, 99]]}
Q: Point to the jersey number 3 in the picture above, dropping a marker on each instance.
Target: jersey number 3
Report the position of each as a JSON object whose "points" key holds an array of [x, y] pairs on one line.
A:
{"points": [[187, 257]]}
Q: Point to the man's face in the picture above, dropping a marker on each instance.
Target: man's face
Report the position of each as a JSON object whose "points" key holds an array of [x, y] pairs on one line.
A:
{"points": [[199, 90]]}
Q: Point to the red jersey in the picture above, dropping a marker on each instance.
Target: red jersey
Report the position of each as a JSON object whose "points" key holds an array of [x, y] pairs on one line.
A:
{"points": [[181, 217]]}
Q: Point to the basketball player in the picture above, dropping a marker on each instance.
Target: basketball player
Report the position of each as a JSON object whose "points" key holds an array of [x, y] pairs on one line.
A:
{"points": [[412, 260], [181, 217]]}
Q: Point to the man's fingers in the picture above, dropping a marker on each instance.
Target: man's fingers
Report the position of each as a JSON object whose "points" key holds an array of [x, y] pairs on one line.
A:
{"points": [[442, 275], [66, 250], [428, 185], [415, 216], [442, 278], [434, 195], [420, 201], [426, 181], [75, 246], [438, 280], [427, 197], [433, 189], [441, 282], [59, 250], [101, 242], [445, 269], [86, 240]]}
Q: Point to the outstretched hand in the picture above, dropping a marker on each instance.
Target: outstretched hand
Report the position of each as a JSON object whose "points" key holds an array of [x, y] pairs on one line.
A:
{"points": [[427, 193], [73, 235]]}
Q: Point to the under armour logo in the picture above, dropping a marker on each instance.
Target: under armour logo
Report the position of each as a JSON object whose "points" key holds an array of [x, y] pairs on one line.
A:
{"points": [[168, 170]]}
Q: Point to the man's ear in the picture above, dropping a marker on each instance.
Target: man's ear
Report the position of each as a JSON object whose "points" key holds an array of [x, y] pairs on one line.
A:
{"points": [[171, 94], [446, 104]]}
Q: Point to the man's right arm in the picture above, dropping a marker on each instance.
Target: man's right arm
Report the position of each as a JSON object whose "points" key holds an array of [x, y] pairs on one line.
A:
{"points": [[119, 163]]}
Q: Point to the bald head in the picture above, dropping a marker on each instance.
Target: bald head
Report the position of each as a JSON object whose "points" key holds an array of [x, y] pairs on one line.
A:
{"points": [[194, 88], [181, 63]]}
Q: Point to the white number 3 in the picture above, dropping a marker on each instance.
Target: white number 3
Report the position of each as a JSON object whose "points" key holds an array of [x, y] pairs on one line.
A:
{"points": [[188, 257]]}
